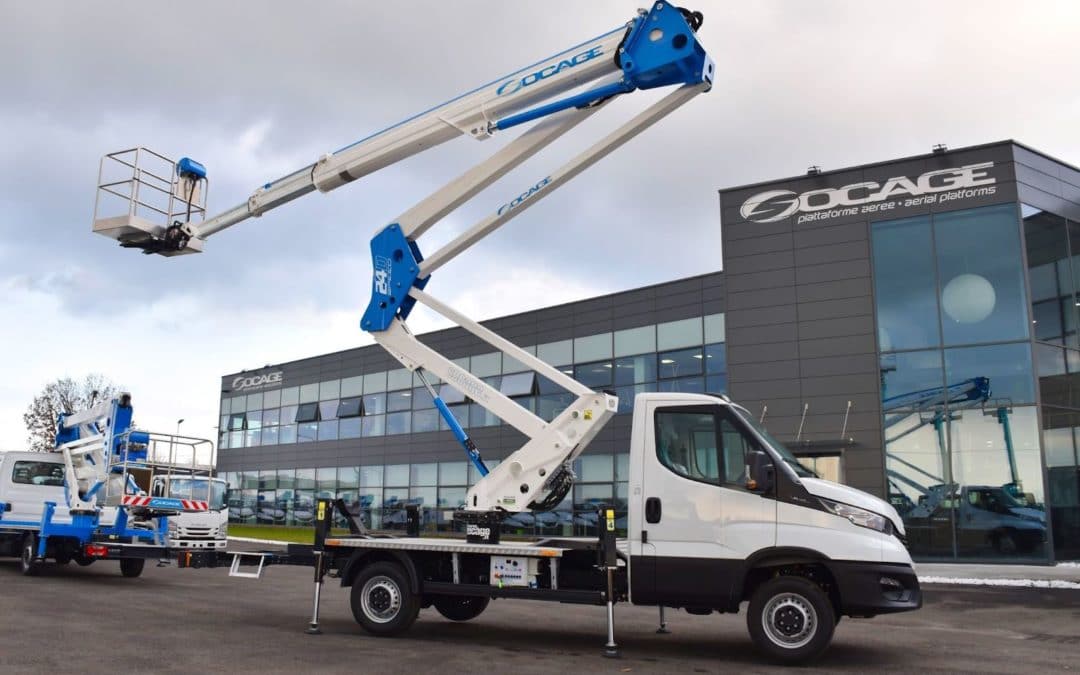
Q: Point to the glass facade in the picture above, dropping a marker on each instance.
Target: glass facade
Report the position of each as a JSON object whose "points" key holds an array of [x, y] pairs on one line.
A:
{"points": [[973, 335], [395, 402], [685, 355]]}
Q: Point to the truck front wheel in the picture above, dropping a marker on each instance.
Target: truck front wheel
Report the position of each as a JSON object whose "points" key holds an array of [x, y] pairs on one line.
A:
{"points": [[790, 619], [131, 567], [29, 564], [460, 607], [382, 602]]}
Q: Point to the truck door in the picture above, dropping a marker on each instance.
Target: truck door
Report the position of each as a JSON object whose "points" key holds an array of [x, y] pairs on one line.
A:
{"points": [[700, 520]]}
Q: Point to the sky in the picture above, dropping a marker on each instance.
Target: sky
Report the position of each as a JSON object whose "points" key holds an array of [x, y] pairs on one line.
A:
{"points": [[255, 90]]}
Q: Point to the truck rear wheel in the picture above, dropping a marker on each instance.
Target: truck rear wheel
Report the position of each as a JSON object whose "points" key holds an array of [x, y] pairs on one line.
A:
{"points": [[790, 619], [460, 607], [132, 567], [29, 564], [381, 600]]}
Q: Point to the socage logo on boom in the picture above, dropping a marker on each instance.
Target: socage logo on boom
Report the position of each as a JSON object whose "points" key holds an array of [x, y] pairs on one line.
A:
{"points": [[869, 196]]}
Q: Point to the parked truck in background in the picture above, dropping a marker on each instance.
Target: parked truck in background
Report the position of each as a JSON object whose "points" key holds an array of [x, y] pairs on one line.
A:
{"points": [[197, 529]]}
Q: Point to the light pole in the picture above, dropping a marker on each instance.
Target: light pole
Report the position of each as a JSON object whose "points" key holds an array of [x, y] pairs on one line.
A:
{"points": [[178, 423]]}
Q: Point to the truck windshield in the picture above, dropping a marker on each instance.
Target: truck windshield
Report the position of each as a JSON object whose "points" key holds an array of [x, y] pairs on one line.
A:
{"points": [[196, 488], [777, 446]]}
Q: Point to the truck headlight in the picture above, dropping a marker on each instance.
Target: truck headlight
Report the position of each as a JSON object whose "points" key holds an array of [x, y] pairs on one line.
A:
{"points": [[172, 528], [224, 529], [857, 516]]}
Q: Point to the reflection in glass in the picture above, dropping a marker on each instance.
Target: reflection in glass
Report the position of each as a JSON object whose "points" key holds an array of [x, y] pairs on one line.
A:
{"points": [[594, 375], [373, 425], [424, 474], [287, 433], [374, 404], [422, 399], [998, 469], [980, 275], [904, 284], [911, 380], [635, 369], [425, 420], [328, 430], [328, 410], [269, 436], [1007, 367], [686, 385], [681, 363], [271, 417], [1053, 306], [917, 474], [676, 334], [350, 407], [635, 341], [349, 427], [518, 384], [307, 432], [309, 393], [288, 414], [1061, 436], [398, 400], [715, 359]]}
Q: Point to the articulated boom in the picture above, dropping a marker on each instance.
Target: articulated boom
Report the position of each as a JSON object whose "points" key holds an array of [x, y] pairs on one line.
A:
{"points": [[658, 48]]}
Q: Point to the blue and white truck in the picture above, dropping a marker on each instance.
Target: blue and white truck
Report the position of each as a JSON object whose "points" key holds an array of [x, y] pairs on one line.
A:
{"points": [[92, 497]]}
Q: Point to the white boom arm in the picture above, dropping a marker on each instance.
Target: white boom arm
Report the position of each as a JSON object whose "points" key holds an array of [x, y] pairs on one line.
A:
{"points": [[658, 48]]}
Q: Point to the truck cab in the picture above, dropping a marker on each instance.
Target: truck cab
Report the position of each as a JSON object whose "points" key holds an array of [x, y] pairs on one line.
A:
{"points": [[196, 529]]}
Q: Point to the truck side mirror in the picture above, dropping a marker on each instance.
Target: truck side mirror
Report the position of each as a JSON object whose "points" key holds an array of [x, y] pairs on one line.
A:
{"points": [[760, 472]]}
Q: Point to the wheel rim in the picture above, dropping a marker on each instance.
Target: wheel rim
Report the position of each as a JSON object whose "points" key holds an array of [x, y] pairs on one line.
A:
{"points": [[381, 599], [790, 621]]}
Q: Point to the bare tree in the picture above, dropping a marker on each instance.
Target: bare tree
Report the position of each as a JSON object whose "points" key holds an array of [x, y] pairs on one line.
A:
{"points": [[63, 396]]}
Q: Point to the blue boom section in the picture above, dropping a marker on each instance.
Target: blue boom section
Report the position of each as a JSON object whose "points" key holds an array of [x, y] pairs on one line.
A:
{"points": [[395, 262]]}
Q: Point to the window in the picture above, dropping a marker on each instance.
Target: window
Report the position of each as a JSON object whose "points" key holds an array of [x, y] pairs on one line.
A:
{"points": [[681, 363], [271, 418], [424, 474], [912, 380], [290, 396], [328, 430], [288, 414], [374, 404], [715, 328], [309, 393], [373, 425], [270, 436], [397, 475], [38, 473], [352, 386], [736, 447], [450, 395], [307, 412], [715, 359], [686, 444], [635, 369], [237, 422], [349, 427], [308, 432], [1008, 368], [350, 407], [399, 379], [287, 434], [329, 390], [254, 420], [677, 334], [425, 420], [421, 399], [375, 382], [486, 365], [397, 423], [635, 340], [453, 473], [254, 402], [328, 410], [1053, 307], [272, 399], [981, 285], [518, 384], [594, 375], [556, 352], [398, 400], [907, 302], [592, 347]]}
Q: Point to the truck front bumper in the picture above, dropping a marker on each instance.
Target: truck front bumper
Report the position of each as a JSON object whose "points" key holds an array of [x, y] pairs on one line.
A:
{"points": [[868, 589], [198, 544]]}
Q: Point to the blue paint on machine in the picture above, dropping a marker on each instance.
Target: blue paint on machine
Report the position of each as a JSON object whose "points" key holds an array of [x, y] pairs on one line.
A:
{"points": [[395, 262]]}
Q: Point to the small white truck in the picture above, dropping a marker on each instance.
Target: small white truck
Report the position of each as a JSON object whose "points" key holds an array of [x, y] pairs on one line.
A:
{"points": [[196, 529]]}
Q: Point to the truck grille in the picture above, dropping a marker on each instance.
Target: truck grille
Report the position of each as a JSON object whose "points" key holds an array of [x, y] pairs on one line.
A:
{"points": [[196, 532]]}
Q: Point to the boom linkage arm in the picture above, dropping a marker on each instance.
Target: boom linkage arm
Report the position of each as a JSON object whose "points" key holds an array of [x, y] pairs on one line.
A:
{"points": [[658, 48]]}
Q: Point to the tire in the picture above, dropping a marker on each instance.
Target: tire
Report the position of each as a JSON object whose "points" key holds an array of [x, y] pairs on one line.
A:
{"points": [[83, 561], [1005, 543], [132, 567], [791, 619], [29, 564], [381, 600], [461, 607]]}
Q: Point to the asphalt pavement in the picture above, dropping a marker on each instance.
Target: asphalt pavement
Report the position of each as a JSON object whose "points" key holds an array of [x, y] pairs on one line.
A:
{"points": [[182, 621]]}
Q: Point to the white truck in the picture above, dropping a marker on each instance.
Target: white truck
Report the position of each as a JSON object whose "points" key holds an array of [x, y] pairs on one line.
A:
{"points": [[89, 498], [719, 513], [196, 529]]}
